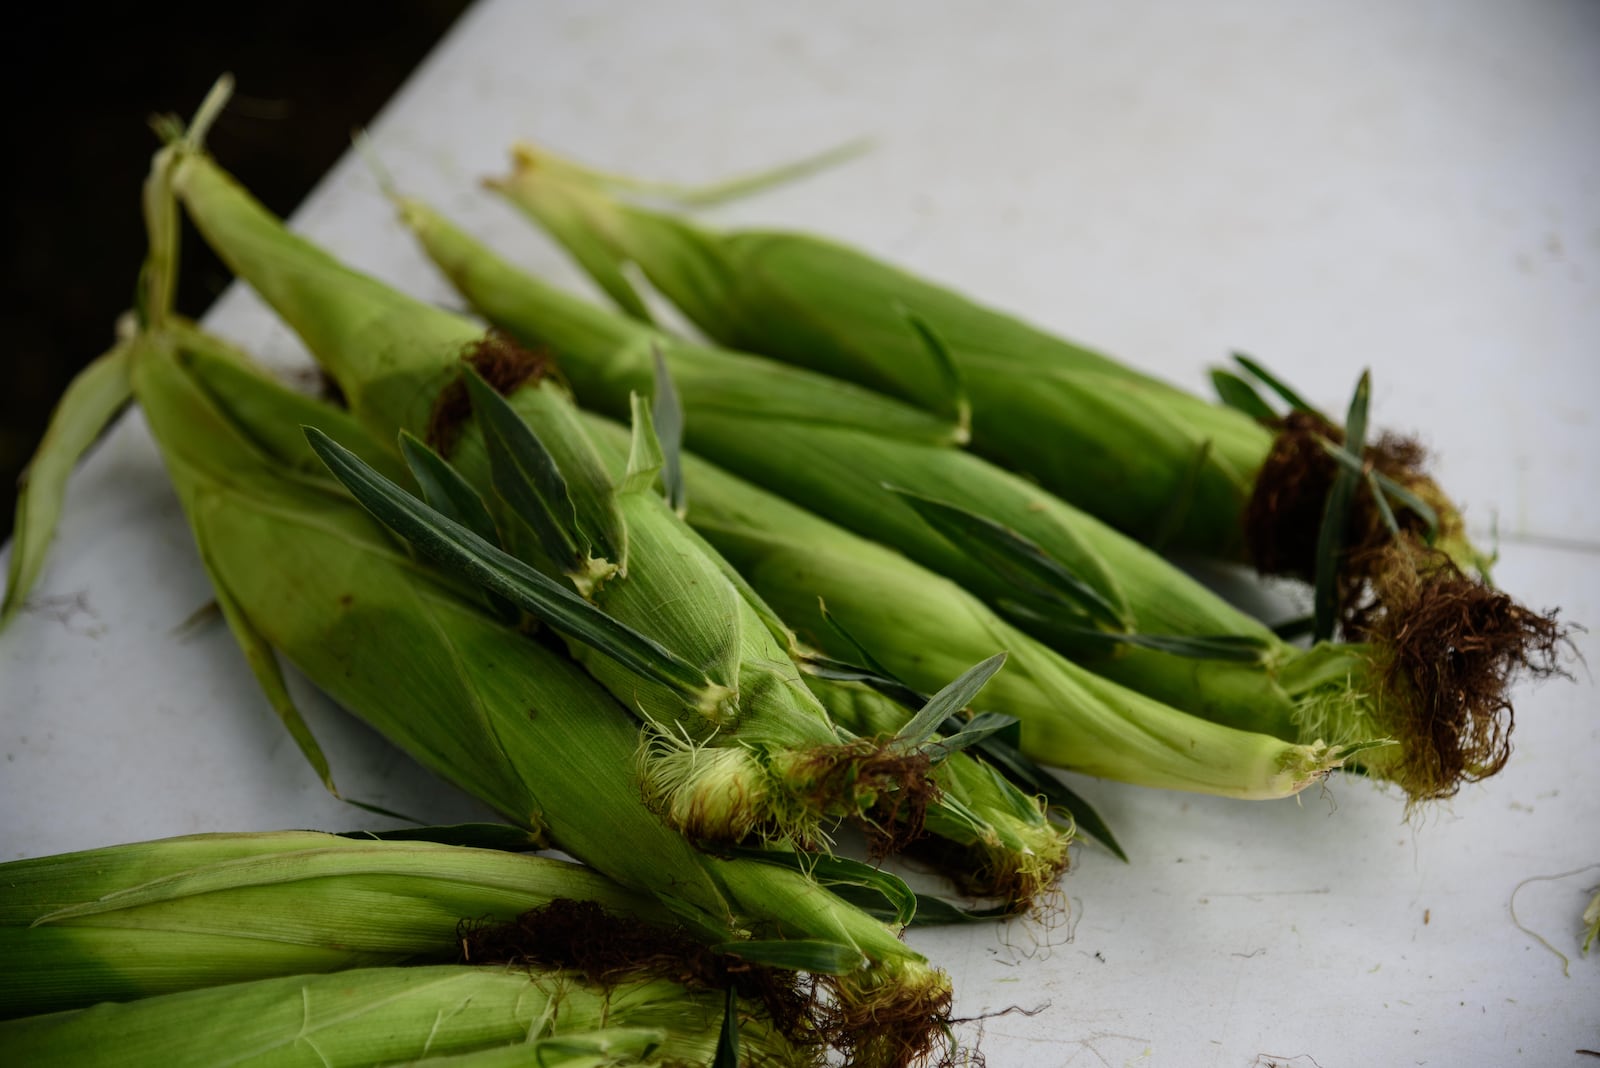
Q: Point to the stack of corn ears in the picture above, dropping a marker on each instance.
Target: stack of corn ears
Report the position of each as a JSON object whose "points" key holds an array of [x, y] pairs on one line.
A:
{"points": [[431, 665], [689, 676], [1434, 649], [302, 948]]}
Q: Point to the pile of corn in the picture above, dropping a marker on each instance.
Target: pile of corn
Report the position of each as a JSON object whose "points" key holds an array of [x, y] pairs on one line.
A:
{"points": [[861, 580]]}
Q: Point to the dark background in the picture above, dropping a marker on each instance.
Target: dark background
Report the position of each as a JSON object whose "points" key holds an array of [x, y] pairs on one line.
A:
{"points": [[82, 82]]}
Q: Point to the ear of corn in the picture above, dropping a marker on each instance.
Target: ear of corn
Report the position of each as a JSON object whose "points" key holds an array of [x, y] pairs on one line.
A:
{"points": [[1409, 606], [383, 1016], [905, 494], [419, 658], [1011, 849], [910, 620], [1149, 458], [753, 750], [157, 917]]}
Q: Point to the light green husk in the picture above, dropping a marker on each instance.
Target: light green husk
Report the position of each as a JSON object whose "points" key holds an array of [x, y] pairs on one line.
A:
{"points": [[395, 359], [450, 1016], [1151, 459], [840, 468], [1437, 648], [1009, 848], [180, 913], [421, 660]]}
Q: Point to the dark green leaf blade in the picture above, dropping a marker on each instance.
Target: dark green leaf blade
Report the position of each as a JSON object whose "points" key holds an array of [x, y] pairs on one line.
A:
{"points": [[1271, 381], [1017, 559], [463, 553], [1336, 516], [446, 491], [526, 477], [727, 1055], [1241, 396], [1400, 494], [1028, 775]]}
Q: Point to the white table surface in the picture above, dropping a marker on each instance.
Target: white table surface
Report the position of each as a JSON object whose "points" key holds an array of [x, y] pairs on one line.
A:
{"points": [[1411, 186]]}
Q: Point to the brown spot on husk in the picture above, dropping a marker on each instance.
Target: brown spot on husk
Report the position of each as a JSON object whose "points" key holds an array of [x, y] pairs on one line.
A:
{"points": [[1452, 647], [503, 363]]}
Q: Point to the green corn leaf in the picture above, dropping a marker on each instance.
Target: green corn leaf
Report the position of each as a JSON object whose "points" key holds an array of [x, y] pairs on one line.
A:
{"points": [[950, 700], [937, 912], [955, 406], [797, 955], [454, 498], [1237, 648], [446, 491], [867, 659], [263, 663], [1410, 500], [727, 1055], [1268, 379], [978, 728], [1382, 501], [1016, 558], [1241, 396], [645, 456], [713, 193], [840, 671], [1027, 774], [1336, 516], [836, 871], [1389, 487], [526, 477], [463, 553], [1176, 513], [667, 410], [92, 400]]}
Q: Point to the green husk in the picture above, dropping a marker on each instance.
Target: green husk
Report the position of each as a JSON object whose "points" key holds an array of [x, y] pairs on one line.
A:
{"points": [[1084, 418], [884, 486], [1116, 442], [728, 759], [917, 625], [158, 917], [999, 841], [446, 1015], [426, 664]]}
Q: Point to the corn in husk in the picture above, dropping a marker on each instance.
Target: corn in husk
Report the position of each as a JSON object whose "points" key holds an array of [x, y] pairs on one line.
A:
{"points": [[1298, 493], [740, 746], [858, 467], [428, 665], [449, 1016], [158, 917]]}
